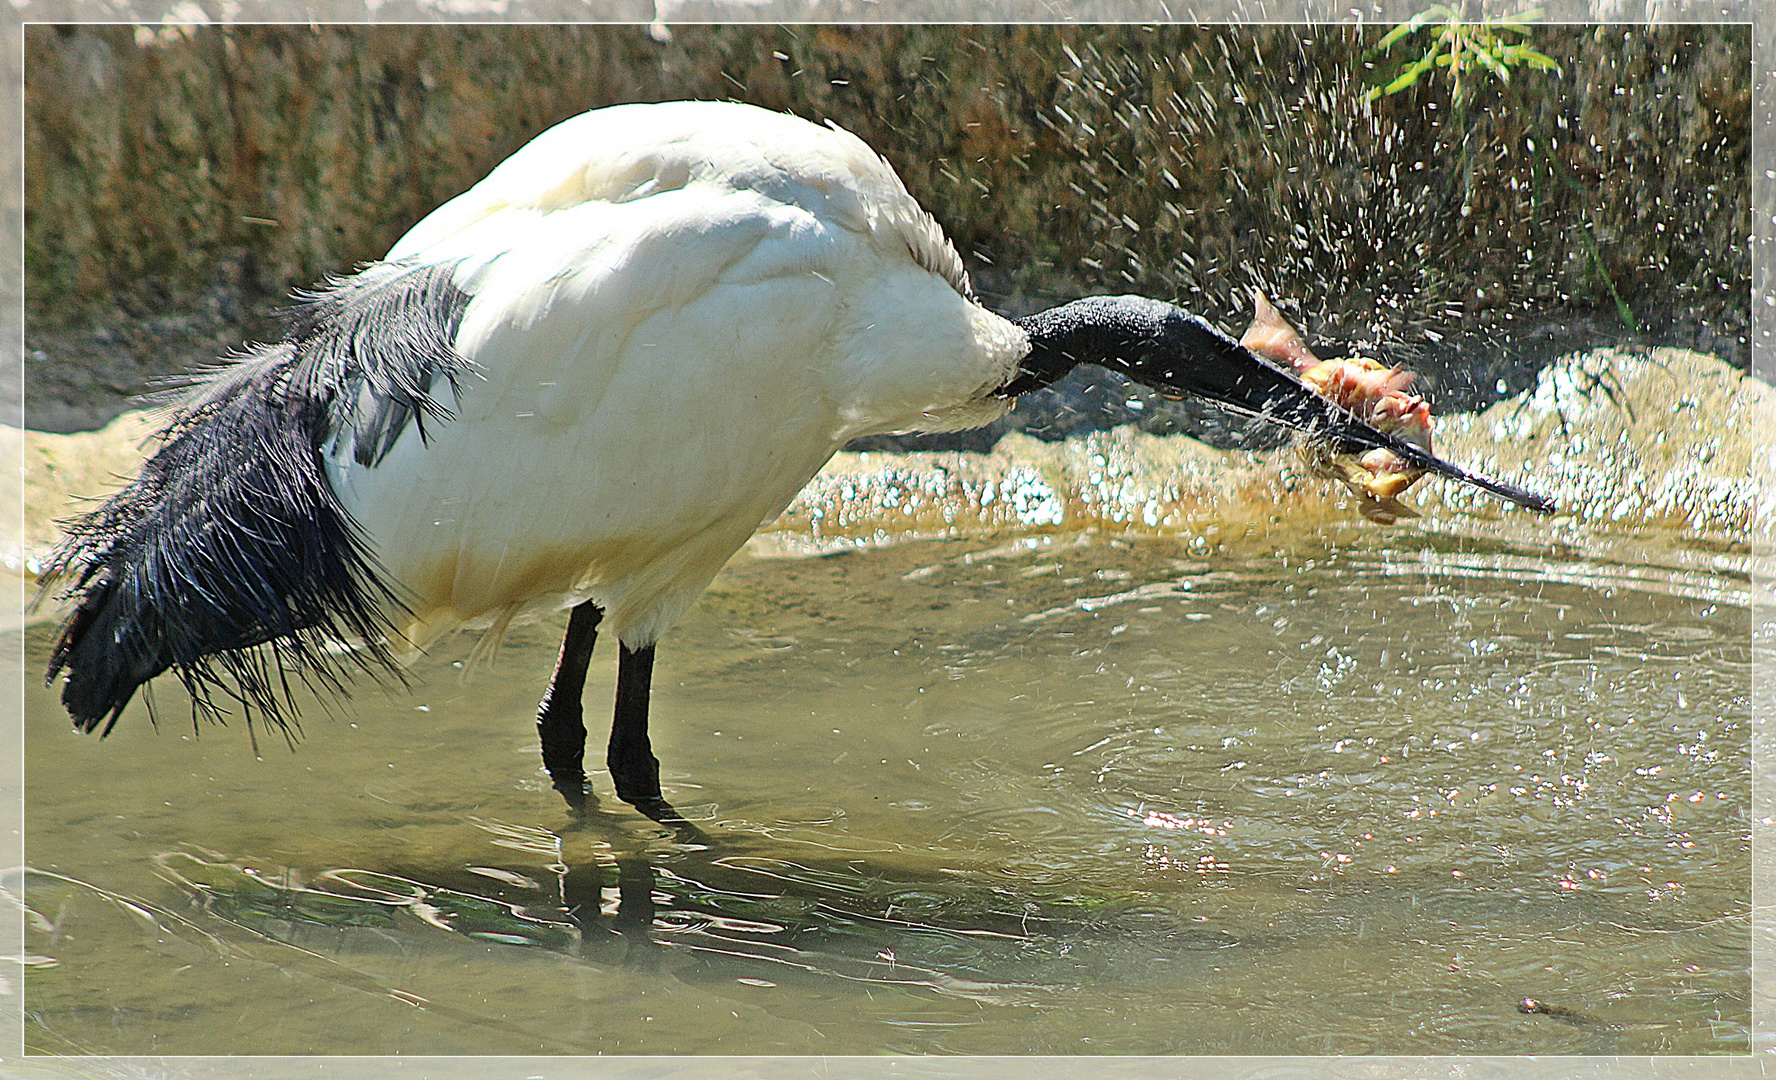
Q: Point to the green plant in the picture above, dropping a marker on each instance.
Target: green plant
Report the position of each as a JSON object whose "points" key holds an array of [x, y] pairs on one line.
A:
{"points": [[1497, 47], [1458, 46]]}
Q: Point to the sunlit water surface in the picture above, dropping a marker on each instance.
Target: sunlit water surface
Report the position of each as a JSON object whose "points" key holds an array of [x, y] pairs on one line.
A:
{"points": [[1055, 795]]}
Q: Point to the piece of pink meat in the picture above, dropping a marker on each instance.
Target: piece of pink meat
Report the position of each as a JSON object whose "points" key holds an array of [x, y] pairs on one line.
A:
{"points": [[1373, 392]]}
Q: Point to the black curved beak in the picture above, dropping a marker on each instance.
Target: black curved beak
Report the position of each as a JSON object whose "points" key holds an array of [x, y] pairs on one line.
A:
{"points": [[1179, 355]]}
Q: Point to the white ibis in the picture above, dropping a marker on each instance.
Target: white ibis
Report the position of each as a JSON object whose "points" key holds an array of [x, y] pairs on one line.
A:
{"points": [[581, 384]]}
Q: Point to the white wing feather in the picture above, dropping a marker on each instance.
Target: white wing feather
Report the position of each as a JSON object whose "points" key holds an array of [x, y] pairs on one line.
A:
{"points": [[677, 315]]}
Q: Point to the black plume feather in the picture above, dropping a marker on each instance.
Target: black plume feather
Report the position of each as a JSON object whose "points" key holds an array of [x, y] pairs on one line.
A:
{"points": [[232, 536]]}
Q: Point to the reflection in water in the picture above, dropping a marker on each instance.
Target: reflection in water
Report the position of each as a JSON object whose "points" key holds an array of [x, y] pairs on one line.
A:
{"points": [[749, 918], [1067, 794]]}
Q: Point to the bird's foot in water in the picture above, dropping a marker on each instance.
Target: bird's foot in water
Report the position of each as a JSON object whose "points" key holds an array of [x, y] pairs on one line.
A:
{"points": [[659, 809], [666, 814], [654, 806], [634, 771], [575, 789]]}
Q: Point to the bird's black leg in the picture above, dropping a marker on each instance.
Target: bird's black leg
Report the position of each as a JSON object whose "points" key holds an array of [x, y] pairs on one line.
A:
{"points": [[559, 725], [633, 767]]}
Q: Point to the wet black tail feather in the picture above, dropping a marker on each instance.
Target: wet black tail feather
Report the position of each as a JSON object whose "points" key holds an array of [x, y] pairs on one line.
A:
{"points": [[230, 538], [229, 560]]}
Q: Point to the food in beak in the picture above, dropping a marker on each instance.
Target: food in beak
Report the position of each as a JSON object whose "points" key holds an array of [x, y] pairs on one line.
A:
{"points": [[1371, 391]]}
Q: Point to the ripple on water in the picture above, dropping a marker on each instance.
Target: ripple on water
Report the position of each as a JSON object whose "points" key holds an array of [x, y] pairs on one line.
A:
{"points": [[1203, 783]]}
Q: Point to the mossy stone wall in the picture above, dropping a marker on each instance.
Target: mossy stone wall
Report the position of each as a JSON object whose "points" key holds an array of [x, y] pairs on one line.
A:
{"points": [[179, 184]]}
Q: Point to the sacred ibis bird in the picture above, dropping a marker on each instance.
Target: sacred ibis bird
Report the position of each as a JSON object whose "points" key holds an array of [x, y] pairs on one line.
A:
{"points": [[583, 384]]}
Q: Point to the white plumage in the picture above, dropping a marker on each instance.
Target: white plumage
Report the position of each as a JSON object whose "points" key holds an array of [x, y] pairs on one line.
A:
{"points": [[678, 313]]}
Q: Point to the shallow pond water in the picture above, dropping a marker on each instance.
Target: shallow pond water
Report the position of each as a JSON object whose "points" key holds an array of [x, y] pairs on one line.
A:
{"points": [[1056, 794]]}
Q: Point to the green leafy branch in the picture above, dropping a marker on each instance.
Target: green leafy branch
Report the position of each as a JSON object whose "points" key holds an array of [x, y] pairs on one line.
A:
{"points": [[1458, 45]]}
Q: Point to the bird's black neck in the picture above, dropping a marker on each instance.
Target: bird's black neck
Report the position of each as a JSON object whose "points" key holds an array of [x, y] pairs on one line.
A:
{"points": [[1169, 350]]}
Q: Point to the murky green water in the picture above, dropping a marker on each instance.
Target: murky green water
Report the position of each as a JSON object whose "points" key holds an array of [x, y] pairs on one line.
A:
{"points": [[1057, 795]]}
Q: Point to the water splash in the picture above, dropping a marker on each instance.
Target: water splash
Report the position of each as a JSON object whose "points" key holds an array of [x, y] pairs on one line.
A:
{"points": [[1622, 440]]}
